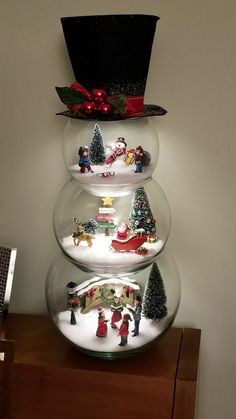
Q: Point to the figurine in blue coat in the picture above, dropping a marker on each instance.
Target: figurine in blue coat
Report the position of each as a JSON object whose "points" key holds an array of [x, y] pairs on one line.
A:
{"points": [[84, 161], [136, 312]]}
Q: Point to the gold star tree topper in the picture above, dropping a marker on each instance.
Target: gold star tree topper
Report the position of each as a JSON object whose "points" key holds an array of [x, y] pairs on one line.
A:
{"points": [[107, 201]]}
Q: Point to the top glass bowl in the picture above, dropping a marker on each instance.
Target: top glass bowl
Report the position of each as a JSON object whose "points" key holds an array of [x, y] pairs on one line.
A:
{"points": [[110, 152]]}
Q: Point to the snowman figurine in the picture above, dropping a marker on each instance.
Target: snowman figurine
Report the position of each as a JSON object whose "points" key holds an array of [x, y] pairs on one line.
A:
{"points": [[120, 148]]}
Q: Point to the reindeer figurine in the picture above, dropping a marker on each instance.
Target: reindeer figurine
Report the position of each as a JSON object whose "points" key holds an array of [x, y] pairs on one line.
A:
{"points": [[80, 235]]}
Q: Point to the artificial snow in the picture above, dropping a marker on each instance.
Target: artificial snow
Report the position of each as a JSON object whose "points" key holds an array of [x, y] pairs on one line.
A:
{"points": [[101, 254], [118, 173], [83, 334], [98, 281]]}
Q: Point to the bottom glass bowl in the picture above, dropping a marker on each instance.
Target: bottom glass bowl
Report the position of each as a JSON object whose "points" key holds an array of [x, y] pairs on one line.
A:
{"points": [[113, 316]]}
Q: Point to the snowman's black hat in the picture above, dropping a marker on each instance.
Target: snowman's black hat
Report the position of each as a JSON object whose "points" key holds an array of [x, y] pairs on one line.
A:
{"points": [[112, 53], [121, 140]]}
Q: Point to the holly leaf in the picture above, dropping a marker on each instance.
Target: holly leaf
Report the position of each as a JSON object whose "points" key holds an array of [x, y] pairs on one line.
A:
{"points": [[70, 96], [118, 103]]}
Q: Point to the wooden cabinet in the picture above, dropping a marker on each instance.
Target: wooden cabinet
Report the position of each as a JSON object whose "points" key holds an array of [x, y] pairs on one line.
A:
{"points": [[51, 379]]}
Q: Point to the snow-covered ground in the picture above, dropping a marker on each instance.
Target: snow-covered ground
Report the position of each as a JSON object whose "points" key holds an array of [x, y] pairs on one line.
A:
{"points": [[122, 174], [118, 284], [102, 255], [83, 334]]}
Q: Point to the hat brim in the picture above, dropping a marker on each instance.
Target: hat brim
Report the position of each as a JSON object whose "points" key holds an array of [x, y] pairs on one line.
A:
{"points": [[149, 110]]}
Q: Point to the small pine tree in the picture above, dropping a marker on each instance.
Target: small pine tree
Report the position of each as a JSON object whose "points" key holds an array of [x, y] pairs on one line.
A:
{"points": [[154, 299], [146, 158], [96, 148], [90, 226], [141, 215]]}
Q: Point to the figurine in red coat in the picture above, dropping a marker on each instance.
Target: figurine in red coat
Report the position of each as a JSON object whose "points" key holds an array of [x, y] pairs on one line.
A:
{"points": [[124, 330], [116, 308], [102, 323], [122, 231]]}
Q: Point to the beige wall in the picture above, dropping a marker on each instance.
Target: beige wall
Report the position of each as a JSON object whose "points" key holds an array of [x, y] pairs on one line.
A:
{"points": [[193, 75]]}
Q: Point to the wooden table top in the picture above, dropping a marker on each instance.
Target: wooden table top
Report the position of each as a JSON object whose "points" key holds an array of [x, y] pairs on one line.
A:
{"points": [[37, 341]]}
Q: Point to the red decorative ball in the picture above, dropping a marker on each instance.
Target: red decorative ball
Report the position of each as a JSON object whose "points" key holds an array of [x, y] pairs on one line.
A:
{"points": [[88, 107], [104, 108], [99, 95]]}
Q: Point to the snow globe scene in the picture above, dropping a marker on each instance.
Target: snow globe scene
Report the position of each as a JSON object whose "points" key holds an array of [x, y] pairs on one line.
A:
{"points": [[110, 153], [114, 290], [112, 233], [113, 316]]}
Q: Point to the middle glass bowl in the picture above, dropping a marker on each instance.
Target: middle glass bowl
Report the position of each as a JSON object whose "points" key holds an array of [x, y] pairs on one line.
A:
{"points": [[112, 230]]}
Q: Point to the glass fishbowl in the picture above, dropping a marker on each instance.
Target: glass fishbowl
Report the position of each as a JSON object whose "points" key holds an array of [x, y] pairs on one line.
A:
{"points": [[110, 152], [113, 316], [113, 231]]}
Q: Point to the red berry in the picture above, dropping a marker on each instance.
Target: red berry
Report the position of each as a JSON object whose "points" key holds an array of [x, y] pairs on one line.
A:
{"points": [[88, 107], [104, 108], [99, 95]]}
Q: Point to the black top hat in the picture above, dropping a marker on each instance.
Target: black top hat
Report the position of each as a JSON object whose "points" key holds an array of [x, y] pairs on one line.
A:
{"points": [[121, 140], [111, 54]]}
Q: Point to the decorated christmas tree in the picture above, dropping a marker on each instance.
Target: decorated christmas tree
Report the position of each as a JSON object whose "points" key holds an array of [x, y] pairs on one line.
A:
{"points": [[154, 299], [96, 149], [141, 217]]}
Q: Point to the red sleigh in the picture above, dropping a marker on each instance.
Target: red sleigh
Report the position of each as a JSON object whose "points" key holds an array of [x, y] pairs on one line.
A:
{"points": [[132, 243]]}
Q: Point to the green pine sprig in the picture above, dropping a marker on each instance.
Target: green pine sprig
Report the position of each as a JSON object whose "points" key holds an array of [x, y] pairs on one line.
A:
{"points": [[118, 103]]}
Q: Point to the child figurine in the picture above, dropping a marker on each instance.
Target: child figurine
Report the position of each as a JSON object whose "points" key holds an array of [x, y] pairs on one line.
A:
{"points": [[138, 158], [136, 312], [120, 148], [124, 330], [116, 308], [102, 323], [84, 161]]}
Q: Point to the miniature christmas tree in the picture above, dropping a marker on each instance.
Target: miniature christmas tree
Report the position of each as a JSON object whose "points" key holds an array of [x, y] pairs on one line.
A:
{"points": [[96, 149], [141, 215], [146, 158], [90, 226], [154, 299]]}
